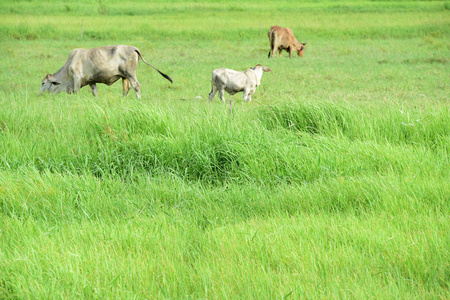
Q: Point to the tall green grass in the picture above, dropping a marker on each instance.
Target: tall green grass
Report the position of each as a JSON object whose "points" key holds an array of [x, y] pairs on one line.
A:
{"points": [[332, 183], [288, 140]]}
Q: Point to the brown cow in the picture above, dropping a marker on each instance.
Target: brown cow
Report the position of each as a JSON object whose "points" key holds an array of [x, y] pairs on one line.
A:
{"points": [[283, 39]]}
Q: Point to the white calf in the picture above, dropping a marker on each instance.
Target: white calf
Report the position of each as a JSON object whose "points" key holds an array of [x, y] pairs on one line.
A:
{"points": [[233, 81]]}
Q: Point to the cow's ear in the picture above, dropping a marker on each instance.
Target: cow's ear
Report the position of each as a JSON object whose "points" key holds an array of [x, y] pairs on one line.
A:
{"points": [[266, 69], [52, 79]]}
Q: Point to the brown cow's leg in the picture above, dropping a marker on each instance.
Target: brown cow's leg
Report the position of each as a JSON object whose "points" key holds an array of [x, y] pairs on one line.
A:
{"points": [[274, 50], [271, 46], [126, 86]]}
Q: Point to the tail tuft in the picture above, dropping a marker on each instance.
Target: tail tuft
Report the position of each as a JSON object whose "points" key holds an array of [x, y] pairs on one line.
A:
{"points": [[166, 76]]}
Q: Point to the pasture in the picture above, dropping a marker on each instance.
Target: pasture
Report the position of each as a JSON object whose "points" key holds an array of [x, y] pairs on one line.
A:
{"points": [[334, 182]]}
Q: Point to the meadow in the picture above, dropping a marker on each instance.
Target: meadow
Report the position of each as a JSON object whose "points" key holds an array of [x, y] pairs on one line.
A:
{"points": [[334, 182]]}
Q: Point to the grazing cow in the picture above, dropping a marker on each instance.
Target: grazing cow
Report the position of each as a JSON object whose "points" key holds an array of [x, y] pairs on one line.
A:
{"points": [[97, 65], [233, 81], [283, 39]]}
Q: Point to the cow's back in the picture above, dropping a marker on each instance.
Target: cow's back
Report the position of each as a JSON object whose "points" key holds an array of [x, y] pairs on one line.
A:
{"points": [[110, 56], [274, 29], [105, 64], [282, 36], [278, 29], [286, 36], [233, 81]]}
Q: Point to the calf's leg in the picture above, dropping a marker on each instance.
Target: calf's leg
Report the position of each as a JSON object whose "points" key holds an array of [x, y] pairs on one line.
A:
{"points": [[247, 95]]}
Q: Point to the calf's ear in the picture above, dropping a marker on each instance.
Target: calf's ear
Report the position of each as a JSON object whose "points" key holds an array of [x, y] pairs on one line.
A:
{"points": [[266, 69]]}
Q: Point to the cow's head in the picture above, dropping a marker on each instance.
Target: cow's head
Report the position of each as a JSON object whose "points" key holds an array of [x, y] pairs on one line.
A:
{"points": [[300, 48], [264, 68], [49, 83]]}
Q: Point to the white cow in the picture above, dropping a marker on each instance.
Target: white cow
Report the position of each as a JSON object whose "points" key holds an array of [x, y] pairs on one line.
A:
{"points": [[234, 82], [97, 65]]}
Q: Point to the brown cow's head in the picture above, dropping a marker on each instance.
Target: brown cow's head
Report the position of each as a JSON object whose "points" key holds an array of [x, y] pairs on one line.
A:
{"points": [[300, 48], [49, 83]]}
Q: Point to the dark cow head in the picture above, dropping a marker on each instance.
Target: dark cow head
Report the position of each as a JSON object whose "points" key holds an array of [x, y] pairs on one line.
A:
{"points": [[300, 48]]}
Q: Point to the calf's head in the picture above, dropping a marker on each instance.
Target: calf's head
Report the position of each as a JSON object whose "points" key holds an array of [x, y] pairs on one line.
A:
{"points": [[49, 83], [259, 69]]}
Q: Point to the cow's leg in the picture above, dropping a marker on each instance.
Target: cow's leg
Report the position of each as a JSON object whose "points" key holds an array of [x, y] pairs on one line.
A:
{"points": [[76, 84], [77, 77], [136, 87], [272, 50], [126, 86], [290, 52], [213, 92], [279, 52], [94, 89], [271, 47], [247, 95], [222, 94]]}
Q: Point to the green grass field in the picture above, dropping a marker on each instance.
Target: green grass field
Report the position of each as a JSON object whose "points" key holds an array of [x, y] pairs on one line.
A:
{"points": [[334, 182]]}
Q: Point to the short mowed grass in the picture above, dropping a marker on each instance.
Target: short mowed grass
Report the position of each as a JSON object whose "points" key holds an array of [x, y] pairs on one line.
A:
{"points": [[334, 182]]}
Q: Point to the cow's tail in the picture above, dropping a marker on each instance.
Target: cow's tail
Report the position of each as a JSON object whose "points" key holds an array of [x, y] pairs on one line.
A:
{"points": [[164, 75], [272, 37]]}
